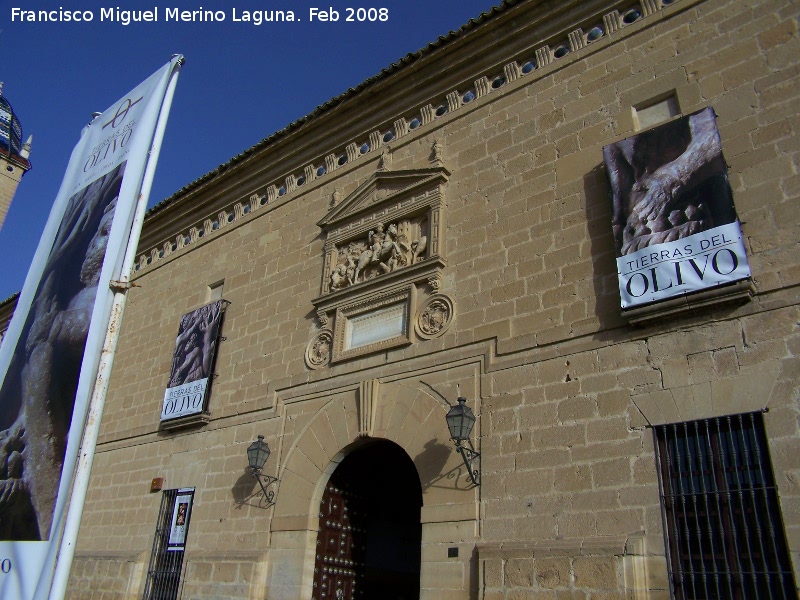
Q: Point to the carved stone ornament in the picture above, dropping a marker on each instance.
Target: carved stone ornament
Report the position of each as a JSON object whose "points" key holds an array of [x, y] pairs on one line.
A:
{"points": [[318, 352], [383, 241], [434, 317], [437, 152], [385, 160], [385, 249], [391, 223], [367, 402]]}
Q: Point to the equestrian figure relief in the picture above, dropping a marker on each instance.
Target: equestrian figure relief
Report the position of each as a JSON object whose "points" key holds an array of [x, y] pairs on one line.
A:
{"points": [[385, 250]]}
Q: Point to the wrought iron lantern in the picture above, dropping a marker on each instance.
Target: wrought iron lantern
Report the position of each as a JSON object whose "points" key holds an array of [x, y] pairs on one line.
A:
{"points": [[460, 421], [257, 454]]}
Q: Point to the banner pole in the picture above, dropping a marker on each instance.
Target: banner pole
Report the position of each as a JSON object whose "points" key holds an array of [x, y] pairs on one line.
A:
{"points": [[83, 469]]}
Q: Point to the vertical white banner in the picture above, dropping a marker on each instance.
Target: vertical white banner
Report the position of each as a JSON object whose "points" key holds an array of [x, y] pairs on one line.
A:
{"points": [[49, 357]]}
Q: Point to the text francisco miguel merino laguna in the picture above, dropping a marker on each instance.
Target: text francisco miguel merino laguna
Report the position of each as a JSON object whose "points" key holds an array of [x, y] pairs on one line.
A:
{"points": [[126, 17]]}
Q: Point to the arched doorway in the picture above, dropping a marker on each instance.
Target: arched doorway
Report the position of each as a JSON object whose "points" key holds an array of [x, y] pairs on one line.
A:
{"points": [[369, 535]]}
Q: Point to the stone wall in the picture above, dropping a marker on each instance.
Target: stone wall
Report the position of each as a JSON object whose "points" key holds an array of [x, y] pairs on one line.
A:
{"points": [[10, 175], [566, 391]]}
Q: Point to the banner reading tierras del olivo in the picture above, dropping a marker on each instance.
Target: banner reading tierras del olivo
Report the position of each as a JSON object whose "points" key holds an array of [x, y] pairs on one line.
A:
{"points": [[675, 225], [193, 361], [49, 357]]}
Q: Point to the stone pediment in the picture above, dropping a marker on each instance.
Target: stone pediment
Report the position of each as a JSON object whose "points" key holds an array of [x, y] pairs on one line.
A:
{"points": [[384, 189], [388, 227], [384, 257]]}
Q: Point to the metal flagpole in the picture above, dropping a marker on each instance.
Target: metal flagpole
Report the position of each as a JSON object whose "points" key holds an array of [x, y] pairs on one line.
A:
{"points": [[83, 469]]}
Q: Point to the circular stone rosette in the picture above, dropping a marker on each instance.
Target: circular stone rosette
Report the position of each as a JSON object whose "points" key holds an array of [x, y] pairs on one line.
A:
{"points": [[319, 349], [434, 317]]}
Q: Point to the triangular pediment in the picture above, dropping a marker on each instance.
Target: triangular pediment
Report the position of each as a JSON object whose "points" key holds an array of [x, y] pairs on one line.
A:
{"points": [[384, 187]]}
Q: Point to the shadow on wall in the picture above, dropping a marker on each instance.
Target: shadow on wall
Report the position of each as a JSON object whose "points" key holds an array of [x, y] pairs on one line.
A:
{"points": [[246, 491], [601, 239], [430, 465]]}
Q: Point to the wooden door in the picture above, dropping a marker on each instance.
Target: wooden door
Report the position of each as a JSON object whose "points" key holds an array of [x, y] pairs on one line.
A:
{"points": [[339, 561]]}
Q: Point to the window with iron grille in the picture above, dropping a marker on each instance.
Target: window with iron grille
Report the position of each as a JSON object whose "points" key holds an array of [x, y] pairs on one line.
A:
{"points": [[166, 560], [722, 520]]}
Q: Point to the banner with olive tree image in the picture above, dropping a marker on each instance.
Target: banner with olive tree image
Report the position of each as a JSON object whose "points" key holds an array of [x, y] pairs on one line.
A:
{"points": [[193, 361], [675, 225]]}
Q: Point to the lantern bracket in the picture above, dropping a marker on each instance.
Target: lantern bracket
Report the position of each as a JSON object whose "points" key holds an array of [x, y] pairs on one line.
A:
{"points": [[265, 481], [257, 454], [460, 421], [469, 455]]}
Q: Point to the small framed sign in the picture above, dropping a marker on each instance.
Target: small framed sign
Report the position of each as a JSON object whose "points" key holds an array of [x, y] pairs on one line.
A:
{"points": [[181, 513]]}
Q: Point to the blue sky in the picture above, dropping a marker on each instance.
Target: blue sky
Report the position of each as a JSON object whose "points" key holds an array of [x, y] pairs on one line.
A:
{"points": [[241, 82]]}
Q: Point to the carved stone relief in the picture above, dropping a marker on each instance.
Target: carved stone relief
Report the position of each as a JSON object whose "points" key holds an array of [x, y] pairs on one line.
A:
{"points": [[385, 249], [368, 393], [318, 352], [383, 244], [435, 316]]}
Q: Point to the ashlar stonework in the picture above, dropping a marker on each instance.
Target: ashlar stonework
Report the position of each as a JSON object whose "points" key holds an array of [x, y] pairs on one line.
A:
{"points": [[478, 216]]}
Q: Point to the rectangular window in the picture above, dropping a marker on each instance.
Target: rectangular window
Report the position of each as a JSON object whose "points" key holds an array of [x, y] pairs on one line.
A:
{"points": [[655, 112], [214, 291], [722, 521], [166, 560], [190, 377]]}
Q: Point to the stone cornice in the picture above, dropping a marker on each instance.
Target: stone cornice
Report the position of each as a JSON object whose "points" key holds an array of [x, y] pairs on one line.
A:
{"points": [[406, 100], [15, 159]]}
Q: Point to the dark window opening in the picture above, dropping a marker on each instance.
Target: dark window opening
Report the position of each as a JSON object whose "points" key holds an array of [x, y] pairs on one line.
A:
{"points": [[722, 520]]}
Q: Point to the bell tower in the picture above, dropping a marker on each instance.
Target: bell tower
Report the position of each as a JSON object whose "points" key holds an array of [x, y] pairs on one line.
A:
{"points": [[14, 154]]}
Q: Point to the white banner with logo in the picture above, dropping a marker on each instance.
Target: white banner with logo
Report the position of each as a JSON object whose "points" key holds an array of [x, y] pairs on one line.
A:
{"points": [[674, 222], [49, 356]]}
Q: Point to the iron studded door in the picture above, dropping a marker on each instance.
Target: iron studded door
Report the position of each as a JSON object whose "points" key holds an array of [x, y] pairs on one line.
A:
{"points": [[339, 562]]}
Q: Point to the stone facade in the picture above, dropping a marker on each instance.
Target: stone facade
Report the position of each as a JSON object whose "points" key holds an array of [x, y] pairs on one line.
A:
{"points": [[515, 307], [11, 175]]}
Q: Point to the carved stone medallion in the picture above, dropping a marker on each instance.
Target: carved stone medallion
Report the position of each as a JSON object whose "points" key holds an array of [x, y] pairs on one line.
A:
{"points": [[435, 316], [318, 352]]}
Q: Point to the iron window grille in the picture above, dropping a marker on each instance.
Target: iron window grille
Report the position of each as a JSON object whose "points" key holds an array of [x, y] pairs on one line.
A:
{"points": [[166, 560], [723, 526]]}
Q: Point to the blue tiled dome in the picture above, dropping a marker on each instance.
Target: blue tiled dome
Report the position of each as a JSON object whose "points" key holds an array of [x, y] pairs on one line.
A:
{"points": [[10, 130]]}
